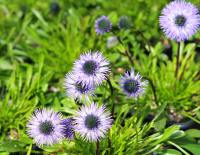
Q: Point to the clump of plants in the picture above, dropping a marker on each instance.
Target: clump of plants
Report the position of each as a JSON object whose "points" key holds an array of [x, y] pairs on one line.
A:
{"points": [[122, 101]]}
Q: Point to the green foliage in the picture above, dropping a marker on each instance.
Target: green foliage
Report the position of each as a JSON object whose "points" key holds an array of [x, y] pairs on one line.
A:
{"points": [[38, 47]]}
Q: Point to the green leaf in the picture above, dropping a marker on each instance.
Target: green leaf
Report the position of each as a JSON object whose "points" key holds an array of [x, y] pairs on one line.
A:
{"points": [[12, 146], [29, 150], [194, 133], [5, 65], [167, 133], [194, 148], [177, 134], [4, 153], [160, 124], [170, 152]]}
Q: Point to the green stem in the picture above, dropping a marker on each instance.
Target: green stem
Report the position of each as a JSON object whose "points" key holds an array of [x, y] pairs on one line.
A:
{"points": [[97, 148], [126, 51], [138, 113], [177, 60], [111, 94], [153, 89], [113, 107], [179, 148], [192, 118]]}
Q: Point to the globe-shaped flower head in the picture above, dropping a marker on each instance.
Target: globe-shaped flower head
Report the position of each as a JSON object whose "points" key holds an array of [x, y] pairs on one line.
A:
{"points": [[103, 25], [92, 68], [124, 22], [180, 20], [68, 128], [132, 85], [112, 41], [92, 122], [45, 127], [76, 89]]}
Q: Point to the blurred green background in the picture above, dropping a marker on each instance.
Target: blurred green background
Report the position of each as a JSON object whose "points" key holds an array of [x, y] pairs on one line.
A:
{"points": [[39, 41]]}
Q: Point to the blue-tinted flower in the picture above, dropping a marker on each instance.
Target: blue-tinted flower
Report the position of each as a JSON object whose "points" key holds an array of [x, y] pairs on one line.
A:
{"points": [[124, 22], [132, 84], [76, 89], [92, 122], [92, 68], [180, 20], [45, 127], [103, 25], [68, 128]]}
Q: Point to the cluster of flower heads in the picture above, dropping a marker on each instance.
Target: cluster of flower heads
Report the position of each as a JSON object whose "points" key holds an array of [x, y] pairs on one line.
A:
{"points": [[89, 71], [180, 20], [103, 24], [47, 127], [91, 121]]}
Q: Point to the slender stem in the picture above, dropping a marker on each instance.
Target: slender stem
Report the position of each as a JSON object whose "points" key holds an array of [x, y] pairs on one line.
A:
{"points": [[110, 86], [144, 38], [184, 69], [129, 57], [111, 94], [138, 113], [178, 147], [137, 139], [153, 89], [109, 143], [177, 59], [97, 148], [126, 52], [113, 107]]}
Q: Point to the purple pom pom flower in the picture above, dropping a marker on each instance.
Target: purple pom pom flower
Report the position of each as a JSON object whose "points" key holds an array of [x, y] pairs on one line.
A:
{"points": [[132, 84], [92, 122], [76, 89], [124, 22], [180, 20], [103, 25], [45, 127], [68, 128], [92, 68]]}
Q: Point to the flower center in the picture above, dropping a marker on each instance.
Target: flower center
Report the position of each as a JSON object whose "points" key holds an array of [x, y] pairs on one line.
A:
{"points": [[103, 24], [131, 86], [92, 122], [89, 67], [180, 20], [46, 127], [81, 87]]}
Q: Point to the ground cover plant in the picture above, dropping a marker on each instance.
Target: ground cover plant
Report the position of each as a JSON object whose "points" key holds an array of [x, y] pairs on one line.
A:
{"points": [[100, 77]]}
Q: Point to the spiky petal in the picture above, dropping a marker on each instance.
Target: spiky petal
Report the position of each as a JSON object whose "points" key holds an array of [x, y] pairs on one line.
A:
{"points": [[45, 127], [103, 25], [76, 88], [180, 20], [132, 84], [92, 68], [92, 122], [68, 128]]}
